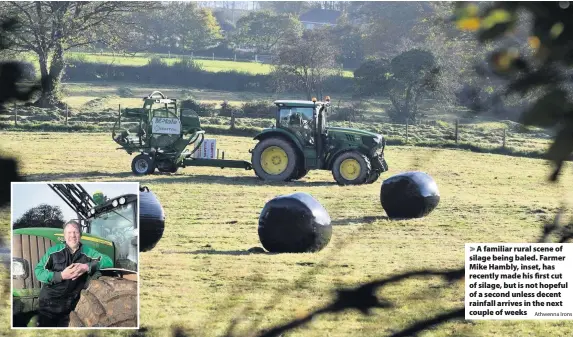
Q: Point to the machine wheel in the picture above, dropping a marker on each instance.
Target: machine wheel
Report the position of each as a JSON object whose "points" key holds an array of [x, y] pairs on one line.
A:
{"points": [[351, 168], [107, 302], [373, 177], [142, 164], [275, 159]]}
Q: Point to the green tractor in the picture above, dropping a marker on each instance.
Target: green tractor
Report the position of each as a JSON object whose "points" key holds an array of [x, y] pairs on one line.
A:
{"points": [[110, 227], [301, 141]]}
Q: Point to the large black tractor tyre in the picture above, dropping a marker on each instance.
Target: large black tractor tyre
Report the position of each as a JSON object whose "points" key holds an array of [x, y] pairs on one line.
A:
{"points": [[275, 159], [142, 164], [351, 168], [107, 302]]}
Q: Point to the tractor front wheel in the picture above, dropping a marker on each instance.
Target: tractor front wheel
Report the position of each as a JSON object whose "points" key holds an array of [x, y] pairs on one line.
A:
{"points": [[275, 159], [351, 168], [142, 164]]}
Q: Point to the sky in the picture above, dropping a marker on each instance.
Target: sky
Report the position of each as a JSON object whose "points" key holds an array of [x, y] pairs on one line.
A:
{"points": [[29, 195]]}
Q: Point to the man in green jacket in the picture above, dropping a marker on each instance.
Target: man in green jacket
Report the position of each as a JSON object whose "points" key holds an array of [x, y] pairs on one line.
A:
{"points": [[64, 271]]}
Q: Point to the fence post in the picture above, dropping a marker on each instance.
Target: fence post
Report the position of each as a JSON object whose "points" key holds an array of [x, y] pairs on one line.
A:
{"points": [[191, 55], [119, 116], [213, 56], [504, 135], [256, 58], [15, 115], [232, 120], [407, 122], [66, 115], [457, 130], [235, 57]]}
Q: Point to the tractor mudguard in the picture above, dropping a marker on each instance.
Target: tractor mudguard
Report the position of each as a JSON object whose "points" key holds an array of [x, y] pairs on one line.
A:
{"points": [[266, 133]]}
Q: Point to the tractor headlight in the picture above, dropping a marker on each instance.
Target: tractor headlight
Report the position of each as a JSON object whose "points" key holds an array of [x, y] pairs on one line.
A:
{"points": [[121, 200], [19, 270], [114, 203]]}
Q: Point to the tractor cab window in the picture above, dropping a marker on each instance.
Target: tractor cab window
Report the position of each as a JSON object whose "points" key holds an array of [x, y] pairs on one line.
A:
{"points": [[300, 120], [291, 116], [119, 226]]}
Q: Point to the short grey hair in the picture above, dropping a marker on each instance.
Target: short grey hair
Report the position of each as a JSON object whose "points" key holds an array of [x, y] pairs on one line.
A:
{"points": [[75, 224]]}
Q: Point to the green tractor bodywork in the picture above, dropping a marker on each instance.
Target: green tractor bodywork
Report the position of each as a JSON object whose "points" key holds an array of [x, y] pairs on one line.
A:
{"points": [[110, 228], [301, 141], [162, 137]]}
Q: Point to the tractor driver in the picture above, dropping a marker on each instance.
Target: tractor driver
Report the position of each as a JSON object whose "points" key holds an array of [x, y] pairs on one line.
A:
{"points": [[302, 120], [64, 271]]}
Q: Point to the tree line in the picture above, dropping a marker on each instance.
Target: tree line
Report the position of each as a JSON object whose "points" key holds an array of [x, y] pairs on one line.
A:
{"points": [[402, 51]]}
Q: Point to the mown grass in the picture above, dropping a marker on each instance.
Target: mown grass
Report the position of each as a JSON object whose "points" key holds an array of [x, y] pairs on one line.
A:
{"points": [[200, 276]]}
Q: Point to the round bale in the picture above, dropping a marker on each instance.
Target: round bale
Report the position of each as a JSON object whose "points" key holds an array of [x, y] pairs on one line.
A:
{"points": [[294, 223], [151, 220], [411, 194]]}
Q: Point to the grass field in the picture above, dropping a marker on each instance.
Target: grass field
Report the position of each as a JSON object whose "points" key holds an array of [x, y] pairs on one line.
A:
{"points": [[200, 275], [251, 67]]}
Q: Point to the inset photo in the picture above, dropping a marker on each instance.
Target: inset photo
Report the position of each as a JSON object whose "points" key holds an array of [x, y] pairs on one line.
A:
{"points": [[75, 253]]}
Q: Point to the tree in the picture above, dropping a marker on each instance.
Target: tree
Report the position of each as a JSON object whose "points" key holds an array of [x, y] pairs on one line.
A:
{"points": [[179, 27], [43, 215], [347, 39], [384, 24], [305, 63], [405, 79], [286, 7], [544, 71], [50, 28], [265, 31], [457, 53]]}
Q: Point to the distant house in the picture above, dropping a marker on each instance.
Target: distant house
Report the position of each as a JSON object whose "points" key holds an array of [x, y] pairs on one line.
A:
{"points": [[319, 17]]}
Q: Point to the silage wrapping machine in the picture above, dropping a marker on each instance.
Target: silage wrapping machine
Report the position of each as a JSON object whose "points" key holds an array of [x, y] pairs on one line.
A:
{"points": [[162, 137]]}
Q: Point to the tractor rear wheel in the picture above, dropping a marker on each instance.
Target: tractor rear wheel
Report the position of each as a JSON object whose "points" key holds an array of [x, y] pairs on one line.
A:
{"points": [[107, 302], [351, 168], [275, 159], [142, 164]]}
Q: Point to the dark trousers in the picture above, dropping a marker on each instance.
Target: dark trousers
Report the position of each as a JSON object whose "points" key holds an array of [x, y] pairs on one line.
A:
{"points": [[54, 312]]}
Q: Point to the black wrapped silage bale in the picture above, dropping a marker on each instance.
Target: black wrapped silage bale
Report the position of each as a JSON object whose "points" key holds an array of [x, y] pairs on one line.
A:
{"points": [[151, 220], [294, 223], [411, 194]]}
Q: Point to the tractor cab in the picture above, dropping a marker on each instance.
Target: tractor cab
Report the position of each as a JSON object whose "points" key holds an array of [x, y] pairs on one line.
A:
{"points": [[305, 119], [116, 221]]}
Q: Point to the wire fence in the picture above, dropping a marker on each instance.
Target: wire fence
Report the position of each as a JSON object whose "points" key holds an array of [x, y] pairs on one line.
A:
{"points": [[257, 58]]}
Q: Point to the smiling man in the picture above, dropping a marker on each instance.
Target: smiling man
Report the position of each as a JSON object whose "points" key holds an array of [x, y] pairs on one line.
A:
{"points": [[64, 271]]}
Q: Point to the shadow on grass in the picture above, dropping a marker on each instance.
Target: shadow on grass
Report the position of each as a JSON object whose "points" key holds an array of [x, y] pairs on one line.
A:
{"points": [[217, 252], [74, 175], [359, 220], [225, 180], [163, 178]]}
